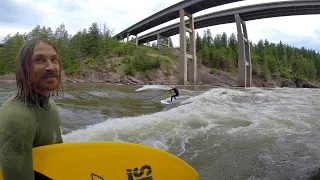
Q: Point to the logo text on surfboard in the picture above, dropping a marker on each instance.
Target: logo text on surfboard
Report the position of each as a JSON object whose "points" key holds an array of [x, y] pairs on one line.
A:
{"points": [[143, 174], [96, 177]]}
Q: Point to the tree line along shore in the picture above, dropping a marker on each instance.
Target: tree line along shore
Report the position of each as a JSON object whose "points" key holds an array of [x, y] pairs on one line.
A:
{"points": [[93, 55]]}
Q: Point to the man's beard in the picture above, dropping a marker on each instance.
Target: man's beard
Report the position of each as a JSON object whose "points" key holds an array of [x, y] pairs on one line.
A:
{"points": [[43, 86], [49, 74]]}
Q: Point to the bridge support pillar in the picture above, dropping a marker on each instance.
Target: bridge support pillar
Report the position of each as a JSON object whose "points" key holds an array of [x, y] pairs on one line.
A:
{"points": [[244, 57], [161, 41], [193, 62], [128, 34], [183, 57], [137, 40], [158, 41]]}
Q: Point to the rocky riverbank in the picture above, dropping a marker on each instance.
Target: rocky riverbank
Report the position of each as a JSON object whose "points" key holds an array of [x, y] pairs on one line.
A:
{"points": [[205, 76]]}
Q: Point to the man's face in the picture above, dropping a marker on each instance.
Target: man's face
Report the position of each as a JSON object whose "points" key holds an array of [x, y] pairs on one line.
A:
{"points": [[46, 68]]}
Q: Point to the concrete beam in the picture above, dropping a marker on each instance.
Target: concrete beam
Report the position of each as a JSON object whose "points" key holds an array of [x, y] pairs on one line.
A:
{"points": [[137, 40], [189, 56], [183, 50], [193, 62], [158, 41], [188, 30], [244, 57], [187, 14], [247, 55], [128, 34], [183, 59]]}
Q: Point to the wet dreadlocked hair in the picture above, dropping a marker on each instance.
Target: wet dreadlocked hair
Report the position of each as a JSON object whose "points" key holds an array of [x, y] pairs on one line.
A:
{"points": [[24, 72]]}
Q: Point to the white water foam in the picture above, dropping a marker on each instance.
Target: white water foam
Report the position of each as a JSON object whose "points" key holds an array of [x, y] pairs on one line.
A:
{"points": [[177, 122], [147, 87], [217, 111], [181, 122]]}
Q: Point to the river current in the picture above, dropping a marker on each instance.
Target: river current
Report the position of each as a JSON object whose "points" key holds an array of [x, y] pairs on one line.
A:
{"points": [[224, 133]]}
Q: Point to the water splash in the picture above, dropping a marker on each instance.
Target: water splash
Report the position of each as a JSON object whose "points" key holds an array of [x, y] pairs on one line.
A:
{"points": [[157, 87]]}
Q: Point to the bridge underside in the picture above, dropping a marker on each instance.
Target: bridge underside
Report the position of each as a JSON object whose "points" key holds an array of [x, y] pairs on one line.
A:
{"points": [[270, 10], [170, 13]]}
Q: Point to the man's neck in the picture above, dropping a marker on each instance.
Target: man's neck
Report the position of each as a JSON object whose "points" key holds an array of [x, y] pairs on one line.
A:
{"points": [[42, 98], [43, 93]]}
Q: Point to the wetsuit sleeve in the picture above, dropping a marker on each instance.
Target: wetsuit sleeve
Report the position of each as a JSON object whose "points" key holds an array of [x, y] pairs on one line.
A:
{"points": [[16, 145]]}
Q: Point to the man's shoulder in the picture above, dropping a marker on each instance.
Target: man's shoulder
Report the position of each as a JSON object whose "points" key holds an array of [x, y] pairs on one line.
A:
{"points": [[14, 110], [53, 103], [10, 102]]}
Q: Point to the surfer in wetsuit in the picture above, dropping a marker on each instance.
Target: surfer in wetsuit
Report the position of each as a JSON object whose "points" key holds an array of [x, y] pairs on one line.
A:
{"points": [[176, 91], [30, 118]]}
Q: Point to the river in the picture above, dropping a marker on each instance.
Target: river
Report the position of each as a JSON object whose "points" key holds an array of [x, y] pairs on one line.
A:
{"points": [[224, 133]]}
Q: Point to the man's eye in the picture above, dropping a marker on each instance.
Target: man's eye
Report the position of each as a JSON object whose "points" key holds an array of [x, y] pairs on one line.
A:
{"points": [[39, 59]]}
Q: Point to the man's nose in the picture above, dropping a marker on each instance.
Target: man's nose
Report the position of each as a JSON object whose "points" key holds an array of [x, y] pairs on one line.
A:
{"points": [[49, 65]]}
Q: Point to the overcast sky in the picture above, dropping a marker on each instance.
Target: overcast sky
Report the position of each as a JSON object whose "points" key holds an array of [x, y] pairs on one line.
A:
{"points": [[23, 15]]}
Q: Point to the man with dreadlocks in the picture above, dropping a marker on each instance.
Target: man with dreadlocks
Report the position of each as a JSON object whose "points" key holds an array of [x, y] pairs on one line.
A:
{"points": [[30, 118]]}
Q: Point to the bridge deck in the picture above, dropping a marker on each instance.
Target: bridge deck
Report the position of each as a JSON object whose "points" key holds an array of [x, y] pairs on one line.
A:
{"points": [[247, 13], [170, 13]]}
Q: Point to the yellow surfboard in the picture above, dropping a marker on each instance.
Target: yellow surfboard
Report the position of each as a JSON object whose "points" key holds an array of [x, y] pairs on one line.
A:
{"points": [[108, 161]]}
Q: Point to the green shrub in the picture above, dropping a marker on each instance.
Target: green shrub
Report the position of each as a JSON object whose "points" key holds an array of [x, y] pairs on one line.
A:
{"points": [[129, 69], [89, 60], [213, 70], [286, 73]]}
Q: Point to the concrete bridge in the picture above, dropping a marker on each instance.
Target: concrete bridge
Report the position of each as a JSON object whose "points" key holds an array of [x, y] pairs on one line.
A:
{"points": [[238, 15]]}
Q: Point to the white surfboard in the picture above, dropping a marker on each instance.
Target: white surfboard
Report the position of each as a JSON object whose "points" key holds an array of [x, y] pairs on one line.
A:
{"points": [[168, 100], [165, 102]]}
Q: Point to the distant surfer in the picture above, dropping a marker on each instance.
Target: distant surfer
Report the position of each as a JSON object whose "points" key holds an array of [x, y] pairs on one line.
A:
{"points": [[176, 91], [30, 118]]}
